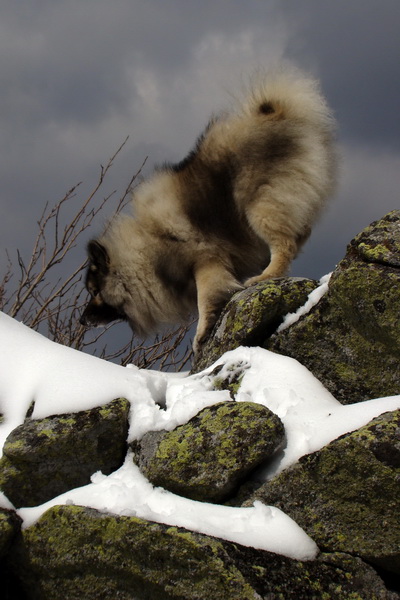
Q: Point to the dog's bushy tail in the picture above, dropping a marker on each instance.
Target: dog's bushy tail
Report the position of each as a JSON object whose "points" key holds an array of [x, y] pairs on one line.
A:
{"points": [[287, 92]]}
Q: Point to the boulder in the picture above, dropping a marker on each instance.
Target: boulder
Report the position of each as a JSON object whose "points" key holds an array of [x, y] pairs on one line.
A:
{"points": [[75, 552], [351, 339], [43, 458], [10, 525], [207, 458], [253, 314], [346, 496]]}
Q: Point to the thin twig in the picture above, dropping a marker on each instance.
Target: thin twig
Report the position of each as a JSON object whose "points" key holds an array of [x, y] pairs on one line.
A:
{"points": [[49, 301]]}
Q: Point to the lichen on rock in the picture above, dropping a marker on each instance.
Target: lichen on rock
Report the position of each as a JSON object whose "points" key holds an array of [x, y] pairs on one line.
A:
{"points": [[253, 314], [346, 496], [77, 552], [208, 457], [351, 339], [43, 458], [10, 524]]}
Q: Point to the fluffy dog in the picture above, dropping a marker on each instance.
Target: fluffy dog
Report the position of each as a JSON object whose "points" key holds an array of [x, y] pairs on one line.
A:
{"points": [[234, 212]]}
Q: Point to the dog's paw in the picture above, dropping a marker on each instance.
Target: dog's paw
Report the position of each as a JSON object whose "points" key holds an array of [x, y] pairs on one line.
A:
{"points": [[197, 344], [255, 280], [199, 340]]}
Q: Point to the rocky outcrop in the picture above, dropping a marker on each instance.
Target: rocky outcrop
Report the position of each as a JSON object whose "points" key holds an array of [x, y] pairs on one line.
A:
{"points": [[207, 458], [345, 496], [76, 552], [252, 315], [10, 524], [351, 339]]}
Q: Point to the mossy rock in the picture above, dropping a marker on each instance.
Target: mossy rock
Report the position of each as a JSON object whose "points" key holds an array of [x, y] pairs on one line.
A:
{"points": [[74, 552], [10, 525], [228, 377], [350, 340], [253, 314], [380, 242], [346, 496], [43, 458], [208, 457]]}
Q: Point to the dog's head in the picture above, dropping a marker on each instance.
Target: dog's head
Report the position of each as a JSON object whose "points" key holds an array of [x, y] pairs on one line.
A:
{"points": [[99, 310], [129, 278]]}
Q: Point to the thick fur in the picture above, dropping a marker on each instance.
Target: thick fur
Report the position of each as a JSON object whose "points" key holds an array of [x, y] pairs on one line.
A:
{"points": [[235, 212]]}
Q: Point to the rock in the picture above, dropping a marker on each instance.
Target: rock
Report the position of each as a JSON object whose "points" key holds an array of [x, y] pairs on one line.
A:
{"points": [[46, 457], [351, 339], [208, 457], [10, 525], [252, 315], [346, 496], [75, 552]]}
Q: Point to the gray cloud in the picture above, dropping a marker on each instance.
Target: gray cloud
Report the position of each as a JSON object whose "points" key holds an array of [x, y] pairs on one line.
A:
{"points": [[77, 77]]}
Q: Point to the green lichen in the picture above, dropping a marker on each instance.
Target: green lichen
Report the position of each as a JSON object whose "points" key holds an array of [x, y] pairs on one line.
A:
{"points": [[46, 457], [15, 446], [380, 242], [351, 339], [78, 552], [206, 458], [49, 433], [346, 495], [374, 253], [219, 383], [107, 411], [232, 378], [253, 315], [10, 524], [67, 421]]}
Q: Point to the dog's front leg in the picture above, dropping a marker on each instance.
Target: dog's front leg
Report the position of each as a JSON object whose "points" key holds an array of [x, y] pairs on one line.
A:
{"points": [[215, 284]]}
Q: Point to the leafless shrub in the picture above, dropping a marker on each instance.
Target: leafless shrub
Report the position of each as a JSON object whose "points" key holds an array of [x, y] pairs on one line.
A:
{"points": [[47, 293]]}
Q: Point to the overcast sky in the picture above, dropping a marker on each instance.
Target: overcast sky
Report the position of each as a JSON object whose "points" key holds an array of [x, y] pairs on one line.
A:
{"points": [[78, 76]]}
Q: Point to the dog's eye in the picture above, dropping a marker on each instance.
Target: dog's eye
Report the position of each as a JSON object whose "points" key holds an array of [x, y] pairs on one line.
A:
{"points": [[93, 292]]}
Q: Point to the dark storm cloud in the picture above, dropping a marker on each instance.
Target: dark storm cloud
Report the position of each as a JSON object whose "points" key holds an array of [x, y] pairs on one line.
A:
{"points": [[77, 77], [357, 47]]}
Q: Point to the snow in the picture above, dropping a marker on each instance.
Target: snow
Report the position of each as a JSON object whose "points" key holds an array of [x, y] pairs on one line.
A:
{"points": [[59, 380], [313, 298]]}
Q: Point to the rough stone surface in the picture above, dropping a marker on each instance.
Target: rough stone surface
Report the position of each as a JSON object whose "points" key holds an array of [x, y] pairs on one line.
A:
{"points": [[346, 496], [351, 339], [75, 552], [208, 457], [45, 457], [253, 314], [10, 525]]}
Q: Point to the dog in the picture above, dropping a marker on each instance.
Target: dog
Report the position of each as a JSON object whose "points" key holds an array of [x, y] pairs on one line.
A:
{"points": [[233, 213]]}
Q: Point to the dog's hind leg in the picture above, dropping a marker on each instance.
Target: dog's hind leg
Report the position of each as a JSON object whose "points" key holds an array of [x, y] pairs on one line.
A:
{"points": [[283, 250], [272, 222], [215, 284]]}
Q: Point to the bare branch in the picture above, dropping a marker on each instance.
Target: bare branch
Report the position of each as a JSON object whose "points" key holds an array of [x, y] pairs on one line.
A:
{"points": [[48, 293]]}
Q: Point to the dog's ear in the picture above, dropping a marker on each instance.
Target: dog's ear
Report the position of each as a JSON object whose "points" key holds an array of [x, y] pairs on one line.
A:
{"points": [[98, 256]]}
